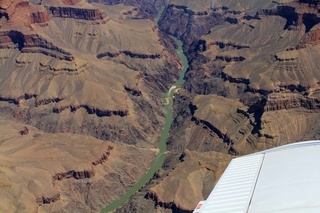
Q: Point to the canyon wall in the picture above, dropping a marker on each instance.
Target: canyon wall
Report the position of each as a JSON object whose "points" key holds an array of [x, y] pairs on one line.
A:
{"points": [[252, 84]]}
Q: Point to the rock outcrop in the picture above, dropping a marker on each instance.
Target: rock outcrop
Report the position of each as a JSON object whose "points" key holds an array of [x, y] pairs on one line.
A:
{"points": [[52, 80], [295, 15], [103, 158], [93, 110], [60, 77], [128, 53], [145, 8], [77, 13], [22, 12], [181, 183], [228, 62], [75, 67], [189, 25], [58, 172], [248, 87], [74, 174], [32, 43], [47, 200]]}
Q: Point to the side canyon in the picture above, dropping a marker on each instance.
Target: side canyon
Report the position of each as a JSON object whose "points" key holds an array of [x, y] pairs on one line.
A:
{"points": [[81, 96]]}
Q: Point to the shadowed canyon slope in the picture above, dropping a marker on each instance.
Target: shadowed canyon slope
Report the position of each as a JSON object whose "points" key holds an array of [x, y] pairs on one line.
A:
{"points": [[252, 84], [64, 172], [81, 96], [77, 75], [99, 72], [253, 79]]}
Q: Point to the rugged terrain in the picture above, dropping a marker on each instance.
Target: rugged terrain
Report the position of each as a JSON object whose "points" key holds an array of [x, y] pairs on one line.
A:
{"points": [[45, 172], [81, 86], [252, 84], [249, 87], [94, 72], [84, 69]]}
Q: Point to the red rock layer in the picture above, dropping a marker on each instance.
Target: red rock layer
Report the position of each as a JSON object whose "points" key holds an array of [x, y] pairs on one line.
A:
{"points": [[76, 13], [32, 43], [23, 12], [70, 2]]}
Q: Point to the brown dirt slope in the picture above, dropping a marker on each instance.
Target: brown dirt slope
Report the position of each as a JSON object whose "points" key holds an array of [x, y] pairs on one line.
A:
{"points": [[64, 172], [62, 61], [253, 81], [71, 70], [252, 84]]}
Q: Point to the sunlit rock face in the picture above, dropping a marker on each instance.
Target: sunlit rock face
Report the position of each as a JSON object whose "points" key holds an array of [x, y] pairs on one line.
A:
{"points": [[81, 86], [253, 79], [76, 78], [252, 84], [64, 172], [85, 68]]}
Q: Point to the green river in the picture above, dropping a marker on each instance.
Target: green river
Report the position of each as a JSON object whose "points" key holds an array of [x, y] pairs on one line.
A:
{"points": [[157, 164]]}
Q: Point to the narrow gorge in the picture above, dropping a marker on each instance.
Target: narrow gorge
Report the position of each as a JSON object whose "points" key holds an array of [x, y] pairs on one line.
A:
{"points": [[102, 109], [168, 99]]}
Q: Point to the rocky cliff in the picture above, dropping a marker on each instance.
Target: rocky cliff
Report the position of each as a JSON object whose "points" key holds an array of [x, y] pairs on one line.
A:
{"points": [[23, 13], [234, 65], [76, 13], [64, 172], [98, 68], [70, 67], [189, 25], [252, 84], [65, 68], [145, 9], [191, 180]]}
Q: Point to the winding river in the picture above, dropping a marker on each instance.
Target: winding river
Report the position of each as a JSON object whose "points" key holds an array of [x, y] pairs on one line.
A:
{"points": [[157, 164]]}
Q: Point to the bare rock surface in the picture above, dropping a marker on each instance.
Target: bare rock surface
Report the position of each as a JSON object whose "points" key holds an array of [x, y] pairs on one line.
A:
{"points": [[75, 76], [191, 180], [184, 179], [252, 84], [98, 68], [75, 59], [264, 73], [64, 172]]}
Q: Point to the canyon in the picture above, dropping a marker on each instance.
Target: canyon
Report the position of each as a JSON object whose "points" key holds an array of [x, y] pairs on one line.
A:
{"points": [[82, 82], [77, 79], [252, 84]]}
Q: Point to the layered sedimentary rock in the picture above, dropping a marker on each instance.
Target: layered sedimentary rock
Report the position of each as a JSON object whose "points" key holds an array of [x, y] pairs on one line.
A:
{"points": [[99, 69], [43, 172], [82, 63], [252, 84], [76, 13], [23, 13], [190, 181], [184, 179], [190, 25], [142, 8], [261, 71], [57, 77]]}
